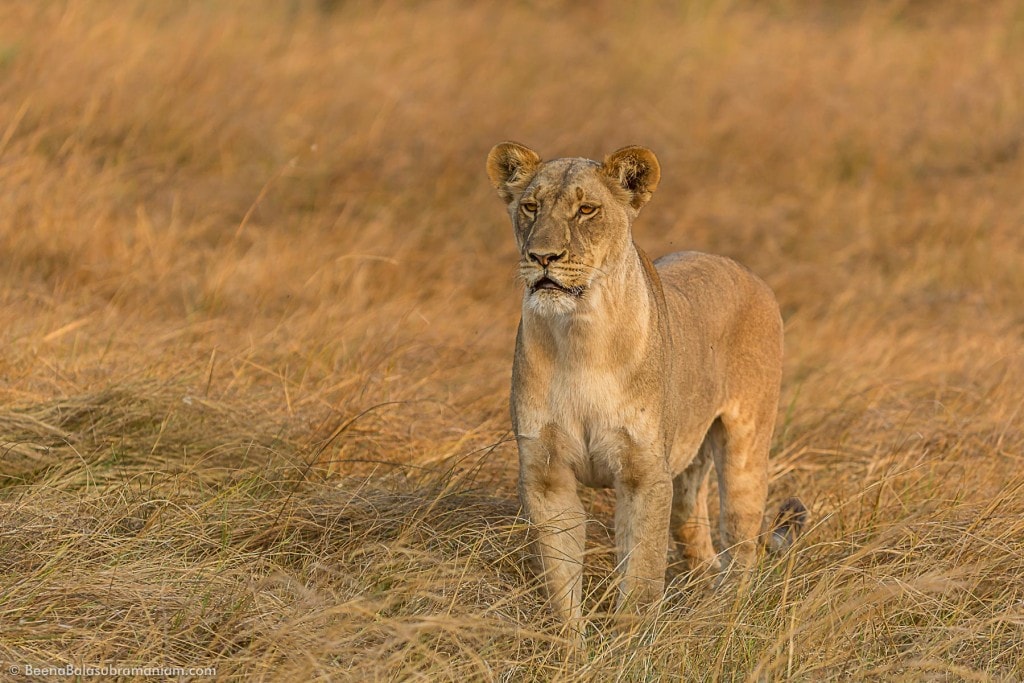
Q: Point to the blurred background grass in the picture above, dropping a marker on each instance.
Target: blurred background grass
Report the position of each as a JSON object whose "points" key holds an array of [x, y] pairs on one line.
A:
{"points": [[257, 311]]}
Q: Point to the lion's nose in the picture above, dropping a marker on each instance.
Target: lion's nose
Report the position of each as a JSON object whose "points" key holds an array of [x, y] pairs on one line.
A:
{"points": [[547, 257]]}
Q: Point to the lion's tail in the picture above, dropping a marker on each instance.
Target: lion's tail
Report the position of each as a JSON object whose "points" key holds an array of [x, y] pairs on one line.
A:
{"points": [[789, 523]]}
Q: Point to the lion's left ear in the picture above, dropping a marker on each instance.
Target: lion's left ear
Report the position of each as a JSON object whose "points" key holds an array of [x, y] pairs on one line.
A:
{"points": [[636, 170]]}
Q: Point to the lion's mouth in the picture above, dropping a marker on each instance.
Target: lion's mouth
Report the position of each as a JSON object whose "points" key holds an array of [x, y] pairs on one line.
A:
{"points": [[546, 283]]}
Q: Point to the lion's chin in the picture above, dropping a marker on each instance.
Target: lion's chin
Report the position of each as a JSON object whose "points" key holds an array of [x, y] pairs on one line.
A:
{"points": [[550, 302]]}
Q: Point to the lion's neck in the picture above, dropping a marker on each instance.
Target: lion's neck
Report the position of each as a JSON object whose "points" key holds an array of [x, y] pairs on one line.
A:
{"points": [[612, 324]]}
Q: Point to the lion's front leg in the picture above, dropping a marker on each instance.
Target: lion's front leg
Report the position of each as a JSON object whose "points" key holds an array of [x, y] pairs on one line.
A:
{"points": [[642, 510], [548, 491]]}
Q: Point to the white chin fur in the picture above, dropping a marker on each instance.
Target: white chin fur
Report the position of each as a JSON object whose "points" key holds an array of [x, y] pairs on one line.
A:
{"points": [[548, 302]]}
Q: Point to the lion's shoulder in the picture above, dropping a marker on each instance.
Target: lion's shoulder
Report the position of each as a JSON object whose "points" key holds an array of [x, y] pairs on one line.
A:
{"points": [[714, 297], [710, 276]]}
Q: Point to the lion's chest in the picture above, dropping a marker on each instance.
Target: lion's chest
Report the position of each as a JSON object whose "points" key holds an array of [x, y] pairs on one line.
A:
{"points": [[579, 396], [598, 418], [588, 397]]}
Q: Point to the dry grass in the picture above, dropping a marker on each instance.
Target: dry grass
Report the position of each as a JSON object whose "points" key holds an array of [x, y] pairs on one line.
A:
{"points": [[257, 310]]}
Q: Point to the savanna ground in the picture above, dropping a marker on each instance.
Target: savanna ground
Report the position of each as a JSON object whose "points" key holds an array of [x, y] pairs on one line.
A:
{"points": [[257, 309]]}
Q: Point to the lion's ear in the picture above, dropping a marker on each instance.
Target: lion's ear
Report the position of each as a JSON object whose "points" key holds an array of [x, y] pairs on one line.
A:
{"points": [[510, 167], [636, 170]]}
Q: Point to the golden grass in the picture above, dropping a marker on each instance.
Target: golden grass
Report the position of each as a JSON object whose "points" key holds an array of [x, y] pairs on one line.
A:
{"points": [[257, 309]]}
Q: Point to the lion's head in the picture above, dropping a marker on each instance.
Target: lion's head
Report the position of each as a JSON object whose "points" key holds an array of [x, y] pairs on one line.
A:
{"points": [[571, 217]]}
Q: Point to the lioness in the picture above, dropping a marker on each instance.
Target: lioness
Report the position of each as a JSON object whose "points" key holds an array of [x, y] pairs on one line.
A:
{"points": [[633, 375]]}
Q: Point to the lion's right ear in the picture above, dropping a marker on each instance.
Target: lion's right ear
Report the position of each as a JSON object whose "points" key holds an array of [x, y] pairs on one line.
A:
{"points": [[510, 167]]}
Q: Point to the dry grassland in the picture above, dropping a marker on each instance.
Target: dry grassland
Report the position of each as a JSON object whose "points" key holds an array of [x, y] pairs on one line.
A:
{"points": [[257, 309]]}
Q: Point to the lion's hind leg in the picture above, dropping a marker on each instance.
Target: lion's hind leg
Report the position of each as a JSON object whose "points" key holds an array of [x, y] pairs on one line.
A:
{"points": [[691, 524], [742, 468]]}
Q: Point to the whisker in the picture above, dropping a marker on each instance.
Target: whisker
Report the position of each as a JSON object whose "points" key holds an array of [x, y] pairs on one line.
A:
{"points": [[586, 267]]}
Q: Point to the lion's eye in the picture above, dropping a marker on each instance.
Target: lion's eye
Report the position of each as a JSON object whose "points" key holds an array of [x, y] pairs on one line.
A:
{"points": [[587, 209], [529, 207]]}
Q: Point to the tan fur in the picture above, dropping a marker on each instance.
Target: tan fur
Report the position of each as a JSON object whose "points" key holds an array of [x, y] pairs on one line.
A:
{"points": [[632, 375]]}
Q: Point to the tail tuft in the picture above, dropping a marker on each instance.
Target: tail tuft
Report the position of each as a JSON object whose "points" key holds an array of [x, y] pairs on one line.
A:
{"points": [[789, 523]]}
